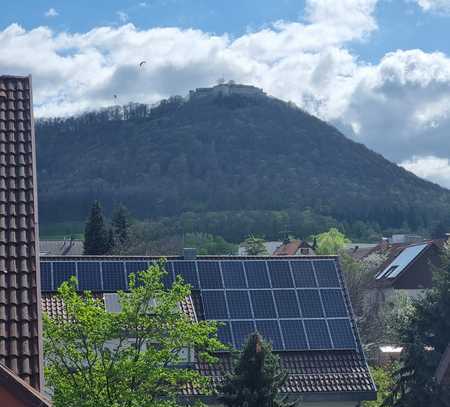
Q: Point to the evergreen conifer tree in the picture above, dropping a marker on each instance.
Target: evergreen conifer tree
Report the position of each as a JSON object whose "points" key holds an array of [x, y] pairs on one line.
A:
{"points": [[256, 379], [111, 241], [121, 225], [96, 239]]}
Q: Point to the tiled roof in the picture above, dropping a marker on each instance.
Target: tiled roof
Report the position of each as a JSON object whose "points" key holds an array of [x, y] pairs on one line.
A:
{"points": [[311, 372], [291, 248], [54, 307], [20, 326], [67, 247], [187, 306]]}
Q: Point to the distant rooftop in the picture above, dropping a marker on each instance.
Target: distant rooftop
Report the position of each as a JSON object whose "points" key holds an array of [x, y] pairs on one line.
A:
{"points": [[65, 247]]}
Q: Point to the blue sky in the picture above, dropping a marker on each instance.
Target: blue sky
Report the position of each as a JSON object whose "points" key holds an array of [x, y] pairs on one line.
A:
{"points": [[379, 70]]}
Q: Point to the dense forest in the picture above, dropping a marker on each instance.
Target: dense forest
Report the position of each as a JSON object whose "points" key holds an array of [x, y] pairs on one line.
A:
{"points": [[226, 165]]}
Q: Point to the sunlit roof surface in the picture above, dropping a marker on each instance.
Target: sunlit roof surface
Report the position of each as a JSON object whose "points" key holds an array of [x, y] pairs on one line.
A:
{"points": [[402, 261]]}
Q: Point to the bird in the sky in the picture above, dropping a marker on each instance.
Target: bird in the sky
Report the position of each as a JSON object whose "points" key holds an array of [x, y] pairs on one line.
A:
{"points": [[141, 64]]}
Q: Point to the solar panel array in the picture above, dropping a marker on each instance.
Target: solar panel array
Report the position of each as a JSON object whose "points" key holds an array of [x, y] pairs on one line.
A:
{"points": [[296, 304]]}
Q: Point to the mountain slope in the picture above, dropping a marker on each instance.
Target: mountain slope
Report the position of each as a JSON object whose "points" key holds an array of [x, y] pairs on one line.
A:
{"points": [[223, 153]]}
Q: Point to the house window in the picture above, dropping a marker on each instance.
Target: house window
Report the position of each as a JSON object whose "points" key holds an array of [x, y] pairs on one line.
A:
{"points": [[304, 251]]}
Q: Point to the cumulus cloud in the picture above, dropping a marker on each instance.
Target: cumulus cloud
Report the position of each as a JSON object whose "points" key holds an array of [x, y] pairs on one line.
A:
{"points": [[436, 6], [430, 167], [51, 12], [301, 62], [400, 106]]}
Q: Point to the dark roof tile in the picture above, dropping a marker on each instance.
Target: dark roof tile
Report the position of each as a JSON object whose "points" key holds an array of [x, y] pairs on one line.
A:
{"points": [[19, 295]]}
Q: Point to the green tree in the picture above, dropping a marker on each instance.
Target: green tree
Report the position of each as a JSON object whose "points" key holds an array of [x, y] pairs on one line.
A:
{"points": [[256, 379], [331, 242], [254, 246], [207, 244], [96, 238], [130, 358], [425, 336], [121, 225], [384, 380]]}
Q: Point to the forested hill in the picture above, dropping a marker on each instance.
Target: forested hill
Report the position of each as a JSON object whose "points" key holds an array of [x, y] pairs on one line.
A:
{"points": [[220, 153]]}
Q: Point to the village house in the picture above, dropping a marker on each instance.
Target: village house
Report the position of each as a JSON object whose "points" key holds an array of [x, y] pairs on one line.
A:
{"points": [[408, 269], [299, 303]]}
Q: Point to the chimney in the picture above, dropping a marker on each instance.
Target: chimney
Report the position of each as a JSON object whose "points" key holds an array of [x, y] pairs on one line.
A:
{"points": [[189, 253]]}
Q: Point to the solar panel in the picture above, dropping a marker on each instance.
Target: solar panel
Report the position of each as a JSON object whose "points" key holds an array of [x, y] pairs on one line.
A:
{"points": [[186, 269], [294, 335], [214, 305], [342, 333], [167, 278], [326, 273], [89, 276], [271, 332], [233, 274], [280, 274], [62, 271], [256, 273], [241, 331], [224, 333], [333, 302], [113, 273], [135, 267], [209, 274], [263, 306], [46, 276], [239, 305], [287, 305], [317, 332], [310, 303], [296, 304], [303, 273]]}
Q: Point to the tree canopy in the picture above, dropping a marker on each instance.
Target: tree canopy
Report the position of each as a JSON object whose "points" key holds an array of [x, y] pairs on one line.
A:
{"points": [[225, 154], [331, 242], [120, 224], [136, 357]]}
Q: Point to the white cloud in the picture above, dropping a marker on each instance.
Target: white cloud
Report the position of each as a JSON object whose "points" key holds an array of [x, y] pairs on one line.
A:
{"points": [[436, 6], [430, 167], [302, 62], [51, 12], [123, 17], [401, 105]]}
